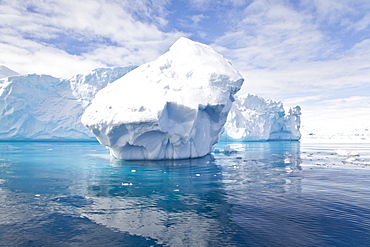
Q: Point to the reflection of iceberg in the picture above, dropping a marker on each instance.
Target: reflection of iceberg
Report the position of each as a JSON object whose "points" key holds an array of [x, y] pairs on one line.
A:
{"points": [[171, 201], [265, 164], [258, 185], [187, 202]]}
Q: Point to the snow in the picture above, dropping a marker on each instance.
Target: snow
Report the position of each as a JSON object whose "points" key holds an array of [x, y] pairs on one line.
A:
{"points": [[42, 107], [6, 72], [172, 108], [253, 118]]}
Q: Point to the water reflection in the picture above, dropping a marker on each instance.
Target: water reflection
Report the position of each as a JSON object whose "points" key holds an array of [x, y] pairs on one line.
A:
{"points": [[266, 167], [262, 182], [179, 203], [190, 202], [264, 194]]}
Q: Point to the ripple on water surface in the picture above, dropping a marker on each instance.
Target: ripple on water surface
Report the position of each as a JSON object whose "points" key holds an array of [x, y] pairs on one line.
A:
{"points": [[258, 194]]}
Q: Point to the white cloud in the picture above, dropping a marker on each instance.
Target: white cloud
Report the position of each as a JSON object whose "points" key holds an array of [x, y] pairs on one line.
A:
{"points": [[204, 5], [39, 36], [283, 49], [306, 54]]}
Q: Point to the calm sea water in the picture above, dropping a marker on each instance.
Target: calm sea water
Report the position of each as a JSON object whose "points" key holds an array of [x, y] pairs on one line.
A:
{"points": [[265, 194]]}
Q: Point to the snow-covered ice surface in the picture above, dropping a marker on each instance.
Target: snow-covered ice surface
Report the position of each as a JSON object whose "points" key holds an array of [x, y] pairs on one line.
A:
{"points": [[85, 86], [172, 108], [42, 107], [253, 118], [6, 72]]}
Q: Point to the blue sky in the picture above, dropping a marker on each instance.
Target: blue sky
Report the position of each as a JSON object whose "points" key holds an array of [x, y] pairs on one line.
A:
{"points": [[315, 53]]}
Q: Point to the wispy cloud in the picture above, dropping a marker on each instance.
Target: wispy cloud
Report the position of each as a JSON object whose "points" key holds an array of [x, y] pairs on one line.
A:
{"points": [[34, 34], [282, 47], [314, 53]]}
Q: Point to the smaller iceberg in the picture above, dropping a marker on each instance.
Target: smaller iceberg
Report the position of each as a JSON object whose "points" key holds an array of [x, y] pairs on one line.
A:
{"points": [[253, 118], [172, 108]]}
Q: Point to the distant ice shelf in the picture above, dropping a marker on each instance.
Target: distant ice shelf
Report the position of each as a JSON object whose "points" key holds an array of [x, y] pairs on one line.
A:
{"points": [[42, 107]]}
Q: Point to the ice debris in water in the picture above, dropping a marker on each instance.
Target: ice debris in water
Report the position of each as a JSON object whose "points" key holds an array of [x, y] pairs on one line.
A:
{"points": [[341, 152], [228, 149], [126, 184], [344, 152], [354, 153], [172, 108]]}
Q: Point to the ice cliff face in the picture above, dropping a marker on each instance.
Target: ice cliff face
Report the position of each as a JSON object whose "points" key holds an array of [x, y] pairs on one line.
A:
{"points": [[253, 118], [42, 107], [85, 86], [171, 108]]}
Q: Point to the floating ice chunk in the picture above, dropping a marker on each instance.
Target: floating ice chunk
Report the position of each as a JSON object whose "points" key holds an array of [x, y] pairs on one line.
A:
{"points": [[172, 108], [354, 153], [228, 149], [350, 160], [342, 152], [126, 184]]}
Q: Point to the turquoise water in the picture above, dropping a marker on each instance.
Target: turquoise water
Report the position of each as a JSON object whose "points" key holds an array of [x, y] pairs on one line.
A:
{"points": [[265, 194]]}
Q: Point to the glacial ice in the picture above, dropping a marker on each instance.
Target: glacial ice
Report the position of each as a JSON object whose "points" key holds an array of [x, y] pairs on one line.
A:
{"points": [[172, 108], [253, 118], [42, 107]]}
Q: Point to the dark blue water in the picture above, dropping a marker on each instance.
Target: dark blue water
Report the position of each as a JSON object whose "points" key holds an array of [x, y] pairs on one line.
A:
{"points": [[265, 194]]}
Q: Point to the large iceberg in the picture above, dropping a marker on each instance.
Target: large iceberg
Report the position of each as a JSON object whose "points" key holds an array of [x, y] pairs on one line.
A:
{"points": [[42, 107], [172, 108], [253, 118]]}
